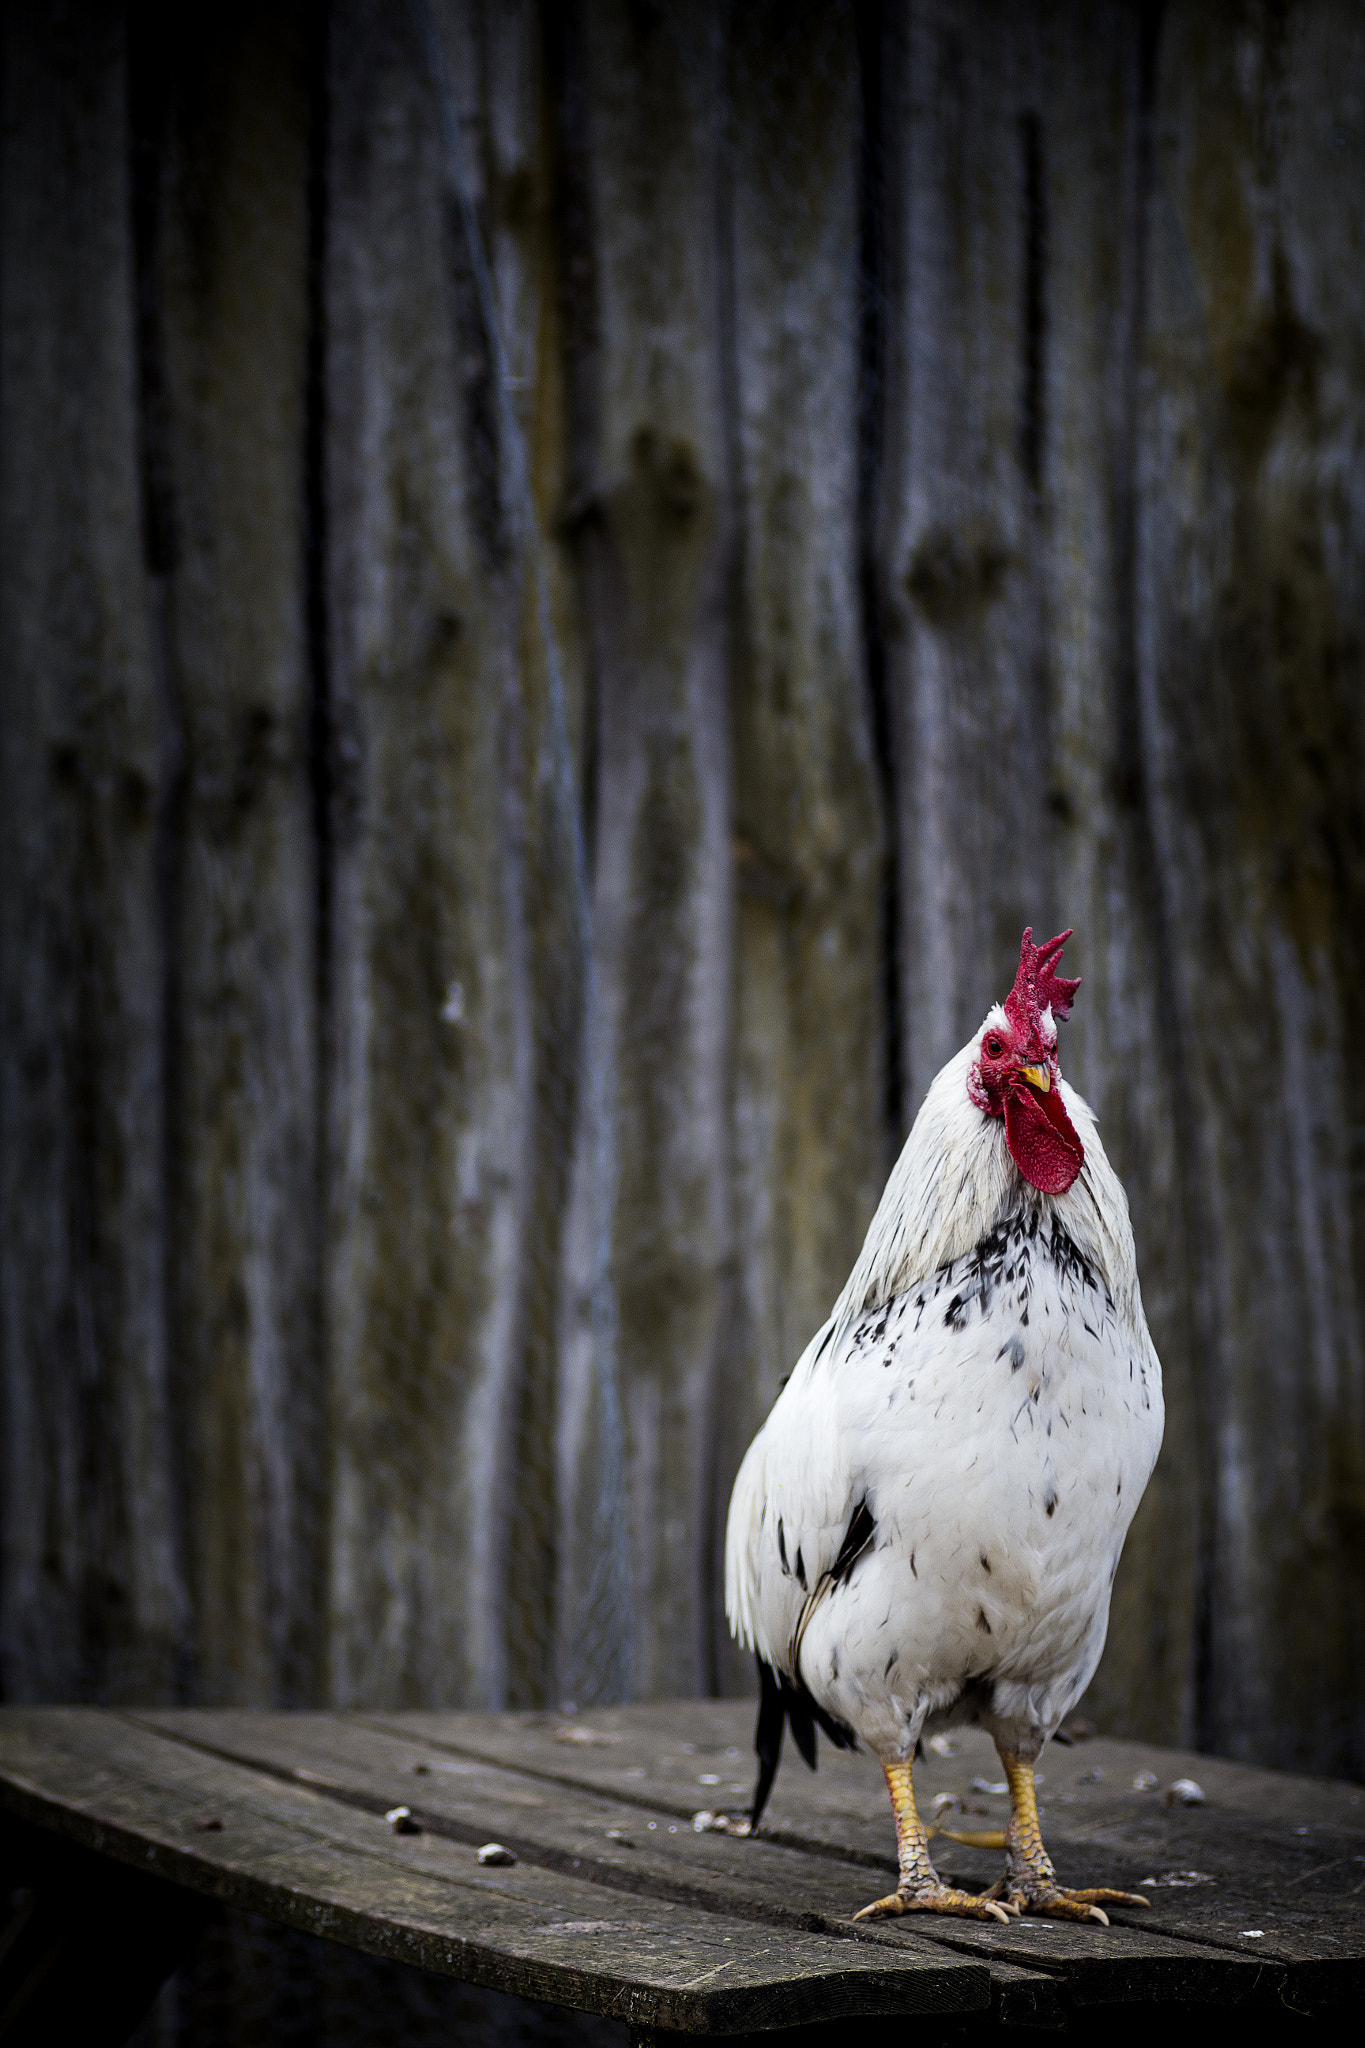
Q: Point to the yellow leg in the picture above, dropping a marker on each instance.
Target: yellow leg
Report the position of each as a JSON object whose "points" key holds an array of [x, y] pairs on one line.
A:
{"points": [[1030, 1883], [919, 1889]]}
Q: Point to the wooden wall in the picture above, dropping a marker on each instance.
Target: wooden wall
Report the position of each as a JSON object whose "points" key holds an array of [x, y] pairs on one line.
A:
{"points": [[438, 1100]]}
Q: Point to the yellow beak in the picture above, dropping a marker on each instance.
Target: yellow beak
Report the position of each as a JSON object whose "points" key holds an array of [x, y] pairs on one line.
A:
{"points": [[1037, 1077]]}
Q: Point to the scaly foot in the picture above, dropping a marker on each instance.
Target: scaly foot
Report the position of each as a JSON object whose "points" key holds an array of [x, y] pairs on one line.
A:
{"points": [[920, 1889], [939, 1898], [1058, 1903], [1030, 1883]]}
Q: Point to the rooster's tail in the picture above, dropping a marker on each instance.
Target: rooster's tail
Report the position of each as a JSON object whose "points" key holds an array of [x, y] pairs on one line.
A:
{"points": [[782, 1700]]}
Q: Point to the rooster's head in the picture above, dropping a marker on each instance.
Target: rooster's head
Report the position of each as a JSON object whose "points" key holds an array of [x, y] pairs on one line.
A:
{"points": [[1015, 1072]]}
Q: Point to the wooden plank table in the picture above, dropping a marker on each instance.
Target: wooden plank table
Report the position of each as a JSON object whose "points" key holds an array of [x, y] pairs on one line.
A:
{"points": [[119, 1826]]}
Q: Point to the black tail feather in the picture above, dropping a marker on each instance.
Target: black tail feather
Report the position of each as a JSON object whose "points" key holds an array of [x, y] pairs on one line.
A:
{"points": [[772, 1721], [800, 1714], [780, 1700]]}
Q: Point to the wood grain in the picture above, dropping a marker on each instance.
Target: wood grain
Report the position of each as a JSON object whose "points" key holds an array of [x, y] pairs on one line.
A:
{"points": [[656, 540], [811, 1041], [224, 133], [1267, 1850], [1120, 1048], [959, 517], [624, 1840], [429, 1082], [515, 178], [1270, 1850], [1249, 629], [315, 1863], [435, 1107], [94, 1600]]}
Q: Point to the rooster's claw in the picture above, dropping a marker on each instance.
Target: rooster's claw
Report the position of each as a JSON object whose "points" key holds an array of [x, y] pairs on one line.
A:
{"points": [[937, 1899], [1056, 1903]]}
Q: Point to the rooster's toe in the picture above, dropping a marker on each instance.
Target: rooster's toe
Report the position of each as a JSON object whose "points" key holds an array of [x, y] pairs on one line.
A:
{"points": [[1056, 1903], [940, 1898]]}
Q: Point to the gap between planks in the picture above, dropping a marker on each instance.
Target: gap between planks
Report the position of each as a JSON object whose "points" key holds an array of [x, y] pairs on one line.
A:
{"points": [[638, 1882], [1092, 1951], [1242, 1794], [947, 1935], [371, 1894]]}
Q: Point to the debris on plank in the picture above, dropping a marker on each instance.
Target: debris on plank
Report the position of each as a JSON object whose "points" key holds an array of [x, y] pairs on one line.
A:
{"points": [[707, 1823]]}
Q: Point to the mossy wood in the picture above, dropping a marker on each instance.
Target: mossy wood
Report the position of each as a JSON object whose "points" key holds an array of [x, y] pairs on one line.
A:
{"points": [[943, 432]]}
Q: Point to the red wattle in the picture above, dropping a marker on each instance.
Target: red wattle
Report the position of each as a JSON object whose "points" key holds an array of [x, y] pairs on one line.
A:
{"points": [[1042, 1139]]}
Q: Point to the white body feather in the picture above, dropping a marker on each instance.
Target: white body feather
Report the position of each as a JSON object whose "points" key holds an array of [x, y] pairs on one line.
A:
{"points": [[987, 1387]]}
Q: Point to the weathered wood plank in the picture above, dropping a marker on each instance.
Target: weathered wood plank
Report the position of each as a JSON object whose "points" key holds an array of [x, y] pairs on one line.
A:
{"points": [[609, 1839], [91, 1590], [1119, 1047], [316, 1864], [489, 69], [656, 541], [1258, 1839], [957, 554], [430, 1059], [810, 1144], [1249, 662], [514, 167], [634, 1847], [224, 146], [669, 1745]]}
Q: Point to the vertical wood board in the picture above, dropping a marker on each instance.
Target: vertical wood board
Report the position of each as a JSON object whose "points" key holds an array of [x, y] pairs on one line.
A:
{"points": [[657, 580], [228, 261], [429, 1038], [1250, 654], [1119, 1049], [93, 1599], [960, 509], [811, 1032]]}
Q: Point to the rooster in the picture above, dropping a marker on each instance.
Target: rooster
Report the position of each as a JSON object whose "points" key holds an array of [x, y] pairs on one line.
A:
{"points": [[925, 1531]]}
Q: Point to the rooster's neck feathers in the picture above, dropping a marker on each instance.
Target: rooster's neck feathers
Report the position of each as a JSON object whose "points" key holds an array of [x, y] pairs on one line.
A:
{"points": [[955, 1180]]}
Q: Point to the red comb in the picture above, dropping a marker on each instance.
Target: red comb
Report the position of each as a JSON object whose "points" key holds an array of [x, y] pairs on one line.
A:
{"points": [[1036, 986]]}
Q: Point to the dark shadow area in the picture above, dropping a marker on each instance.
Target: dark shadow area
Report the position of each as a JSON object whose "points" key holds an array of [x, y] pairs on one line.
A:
{"points": [[250, 1984]]}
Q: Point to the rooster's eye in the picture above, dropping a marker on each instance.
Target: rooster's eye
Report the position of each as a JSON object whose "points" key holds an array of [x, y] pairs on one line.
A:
{"points": [[994, 1048]]}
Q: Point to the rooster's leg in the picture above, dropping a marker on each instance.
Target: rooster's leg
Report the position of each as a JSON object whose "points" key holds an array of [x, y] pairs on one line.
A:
{"points": [[1030, 1883], [919, 1890]]}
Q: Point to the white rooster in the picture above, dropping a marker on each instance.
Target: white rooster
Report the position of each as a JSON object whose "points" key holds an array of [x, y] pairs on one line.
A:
{"points": [[926, 1529]]}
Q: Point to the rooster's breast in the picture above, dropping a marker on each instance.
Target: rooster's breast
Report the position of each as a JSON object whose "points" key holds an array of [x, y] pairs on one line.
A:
{"points": [[1000, 1423]]}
